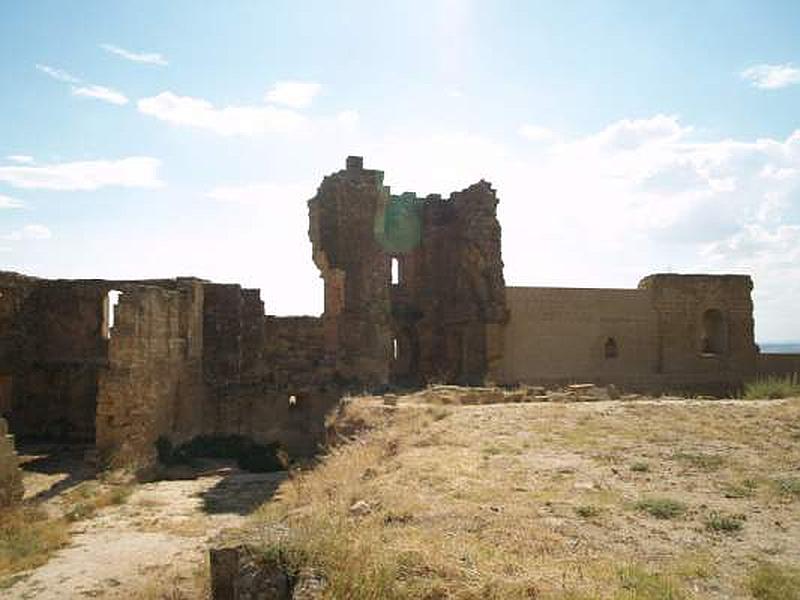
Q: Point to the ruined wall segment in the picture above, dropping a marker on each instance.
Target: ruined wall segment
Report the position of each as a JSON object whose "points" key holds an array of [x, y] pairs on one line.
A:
{"points": [[442, 319], [153, 383], [344, 215], [11, 488], [705, 325]]}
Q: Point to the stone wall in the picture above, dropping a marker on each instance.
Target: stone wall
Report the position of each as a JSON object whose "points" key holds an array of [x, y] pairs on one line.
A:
{"points": [[11, 489], [268, 378], [442, 320], [673, 332], [778, 364], [563, 335], [152, 385]]}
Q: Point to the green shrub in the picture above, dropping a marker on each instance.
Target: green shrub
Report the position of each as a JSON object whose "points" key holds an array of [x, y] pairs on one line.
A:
{"points": [[773, 387], [789, 486], [640, 467], [720, 522], [770, 581], [662, 508], [587, 511]]}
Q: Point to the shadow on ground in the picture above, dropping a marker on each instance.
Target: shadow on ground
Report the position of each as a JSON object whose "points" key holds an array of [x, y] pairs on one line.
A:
{"points": [[240, 492], [59, 467]]}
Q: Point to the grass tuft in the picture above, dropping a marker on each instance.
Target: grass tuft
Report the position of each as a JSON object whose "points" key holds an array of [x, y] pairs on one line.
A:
{"points": [[662, 508], [640, 584], [773, 387], [640, 467], [723, 523], [789, 486]]}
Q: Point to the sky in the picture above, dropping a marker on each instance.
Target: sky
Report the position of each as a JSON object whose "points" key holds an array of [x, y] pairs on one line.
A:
{"points": [[161, 139]]}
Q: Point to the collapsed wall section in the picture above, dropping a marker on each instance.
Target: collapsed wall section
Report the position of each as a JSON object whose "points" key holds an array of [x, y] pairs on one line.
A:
{"points": [[268, 378]]}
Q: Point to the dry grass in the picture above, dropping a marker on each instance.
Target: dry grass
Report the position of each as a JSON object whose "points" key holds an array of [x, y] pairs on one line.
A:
{"points": [[540, 501], [28, 538], [84, 500], [773, 387]]}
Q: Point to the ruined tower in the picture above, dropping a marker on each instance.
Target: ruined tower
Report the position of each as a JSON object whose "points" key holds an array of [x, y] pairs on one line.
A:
{"points": [[414, 288]]}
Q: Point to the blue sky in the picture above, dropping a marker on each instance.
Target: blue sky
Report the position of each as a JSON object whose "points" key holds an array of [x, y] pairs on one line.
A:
{"points": [[160, 139]]}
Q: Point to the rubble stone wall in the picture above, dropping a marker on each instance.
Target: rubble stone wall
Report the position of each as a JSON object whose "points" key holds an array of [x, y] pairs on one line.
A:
{"points": [[153, 384], [778, 364], [11, 489]]}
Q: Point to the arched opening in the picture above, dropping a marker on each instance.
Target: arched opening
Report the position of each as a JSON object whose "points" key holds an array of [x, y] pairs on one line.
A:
{"points": [[611, 350], [395, 349], [715, 334]]}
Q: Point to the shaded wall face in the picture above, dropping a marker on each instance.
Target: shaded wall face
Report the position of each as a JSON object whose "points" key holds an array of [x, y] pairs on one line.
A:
{"points": [[558, 334], [451, 292], [61, 349]]}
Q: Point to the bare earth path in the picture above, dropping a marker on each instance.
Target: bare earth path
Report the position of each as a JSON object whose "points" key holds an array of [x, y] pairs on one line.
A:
{"points": [[152, 546]]}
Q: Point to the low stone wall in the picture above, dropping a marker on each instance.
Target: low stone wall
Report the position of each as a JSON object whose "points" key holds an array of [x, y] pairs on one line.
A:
{"points": [[778, 364], [11, 489]]}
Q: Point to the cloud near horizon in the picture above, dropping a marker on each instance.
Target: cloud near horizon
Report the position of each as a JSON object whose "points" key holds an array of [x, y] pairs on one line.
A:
{"points": [[29, 232], [133, 172]]}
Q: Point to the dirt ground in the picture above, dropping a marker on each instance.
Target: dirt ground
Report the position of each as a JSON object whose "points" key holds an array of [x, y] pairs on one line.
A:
{"points": [[152, 545], [649, 499], [440, 495]]}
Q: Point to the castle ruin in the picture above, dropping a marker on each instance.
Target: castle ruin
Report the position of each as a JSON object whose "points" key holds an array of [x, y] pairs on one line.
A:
{"points": [[414, 294]]}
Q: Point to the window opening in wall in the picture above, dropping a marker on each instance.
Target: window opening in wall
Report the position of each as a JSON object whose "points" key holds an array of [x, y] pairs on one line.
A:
{"points": [[611, 350], [715, 335], [395, 352], [395, 271], [112, 301]]}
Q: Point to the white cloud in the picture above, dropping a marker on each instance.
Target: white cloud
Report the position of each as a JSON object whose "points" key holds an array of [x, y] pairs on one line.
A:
{"points": [[772, 77], [22, 159], [29, 232], [268, 193], [348, 119], [229, 120], [150, 58], [294, 94], [58, 74], [135, 171], [537, 133], [9, 202], [101, 93]]}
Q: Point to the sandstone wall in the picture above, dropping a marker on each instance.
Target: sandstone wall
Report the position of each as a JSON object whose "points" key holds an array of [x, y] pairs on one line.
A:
{"points": [[11, 489], [153, 383], [672, 333], [681, 302], [560, 334], [52, 350]]}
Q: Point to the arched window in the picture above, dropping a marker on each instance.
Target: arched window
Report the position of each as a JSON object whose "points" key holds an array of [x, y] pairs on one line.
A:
{"points": [[611, 350], [395, 349], [395, 271], [715, 332]]}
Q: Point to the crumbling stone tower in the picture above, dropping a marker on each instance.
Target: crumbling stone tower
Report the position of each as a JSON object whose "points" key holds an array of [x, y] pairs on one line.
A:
{"points": [[414, 288]]}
